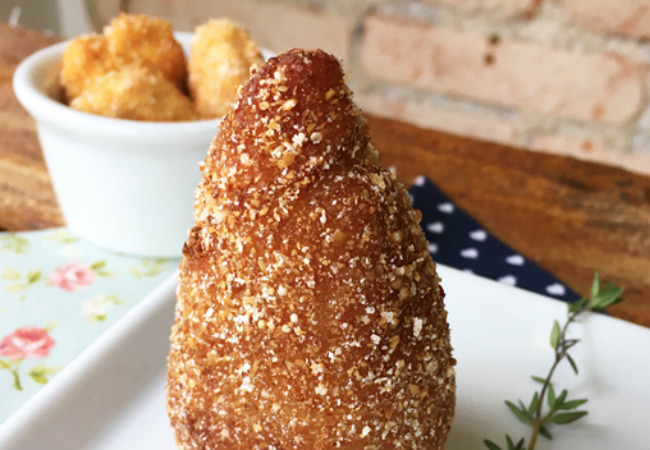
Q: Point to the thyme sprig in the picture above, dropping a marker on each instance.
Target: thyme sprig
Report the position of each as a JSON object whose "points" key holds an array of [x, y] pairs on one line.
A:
{"points": [[561, 410]]}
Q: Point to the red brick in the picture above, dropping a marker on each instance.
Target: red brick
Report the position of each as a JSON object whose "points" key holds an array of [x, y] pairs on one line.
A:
{"points": [[641, 142], [274, 26], [504, 8], [588, 87], [456, 120], [626, 17]]}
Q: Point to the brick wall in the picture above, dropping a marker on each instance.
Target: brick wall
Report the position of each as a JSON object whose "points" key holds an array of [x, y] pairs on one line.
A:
{"points": [[565, 76]]}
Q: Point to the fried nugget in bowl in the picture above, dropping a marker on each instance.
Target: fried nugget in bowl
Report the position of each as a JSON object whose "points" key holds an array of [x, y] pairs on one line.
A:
{"points": [[126, 185], [220, 60], [150, 41], [84, 59], [135, 92]]}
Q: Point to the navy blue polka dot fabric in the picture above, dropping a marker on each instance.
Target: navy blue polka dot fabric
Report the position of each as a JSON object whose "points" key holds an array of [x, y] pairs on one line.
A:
{"points": [[457, 240]]}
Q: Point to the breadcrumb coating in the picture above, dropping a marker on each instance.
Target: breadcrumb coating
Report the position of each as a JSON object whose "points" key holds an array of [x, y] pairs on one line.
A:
{"points": [[309, 313], [135, 92], [84, 59], [220, 60], [150, 42]]}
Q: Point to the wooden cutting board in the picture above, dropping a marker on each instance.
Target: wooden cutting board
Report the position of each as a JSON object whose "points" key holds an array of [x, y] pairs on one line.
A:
{"points": [[571, 217], [27, 201]]}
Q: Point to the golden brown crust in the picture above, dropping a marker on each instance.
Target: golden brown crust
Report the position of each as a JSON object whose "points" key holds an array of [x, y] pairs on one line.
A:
{"points": [[84, 59], [309, 313], [221, 57], [149, 41], [129, 40], [135, 92]]}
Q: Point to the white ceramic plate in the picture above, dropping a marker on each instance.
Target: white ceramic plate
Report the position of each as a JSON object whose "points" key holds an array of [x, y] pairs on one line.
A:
{"points": [[112, 396]]}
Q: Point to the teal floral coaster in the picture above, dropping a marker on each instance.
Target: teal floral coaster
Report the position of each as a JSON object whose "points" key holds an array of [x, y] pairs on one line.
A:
{"points": [[58, 293]]}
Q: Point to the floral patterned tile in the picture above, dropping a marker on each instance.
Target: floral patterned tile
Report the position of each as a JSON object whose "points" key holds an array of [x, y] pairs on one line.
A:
{"points": [[58, 293]]}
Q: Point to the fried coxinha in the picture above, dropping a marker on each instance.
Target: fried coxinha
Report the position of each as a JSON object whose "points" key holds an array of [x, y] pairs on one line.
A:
{"points": [[309, 313]]}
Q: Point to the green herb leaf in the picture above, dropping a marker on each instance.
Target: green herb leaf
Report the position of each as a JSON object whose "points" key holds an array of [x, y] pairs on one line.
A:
{"points": [[568, 343], [520, 414], [551, 396], [534, 403], [595, 285], [538, 379], [573, 404], [4, 364], [576, 306], [608, 295], [523, 408], [544, 432], [560, 411], [512, 446], [564, 418], [491, 445], [555, 335], [574, 366]]}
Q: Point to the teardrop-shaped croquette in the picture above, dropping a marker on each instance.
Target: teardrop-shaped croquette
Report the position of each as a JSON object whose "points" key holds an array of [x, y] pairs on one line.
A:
{"points": [[309, 313]]}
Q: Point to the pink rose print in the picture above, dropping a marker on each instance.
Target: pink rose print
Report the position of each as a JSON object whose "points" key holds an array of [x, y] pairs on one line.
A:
{"points": [[26, 342], [72, 276]]}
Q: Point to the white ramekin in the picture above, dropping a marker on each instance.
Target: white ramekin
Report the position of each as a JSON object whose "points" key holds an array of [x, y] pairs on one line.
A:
{"points": [[122, 184]]}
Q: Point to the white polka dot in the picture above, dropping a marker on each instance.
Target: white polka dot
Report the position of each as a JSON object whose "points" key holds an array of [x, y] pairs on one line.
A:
{"points": [[433, 248], [556, 289], [515, 260], [469, 253], [419, 181], [436, 227], [446, 208], [478, 235], [411, 198], [510, 280]]}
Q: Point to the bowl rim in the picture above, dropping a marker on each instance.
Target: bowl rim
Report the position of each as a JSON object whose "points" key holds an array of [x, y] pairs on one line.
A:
{"points": [[44, 108]]}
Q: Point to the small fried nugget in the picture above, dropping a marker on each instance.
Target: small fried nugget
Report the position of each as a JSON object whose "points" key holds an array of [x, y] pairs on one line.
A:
{"points": [[135, 92], [84, 59], [150, 41], [220, 60]]}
